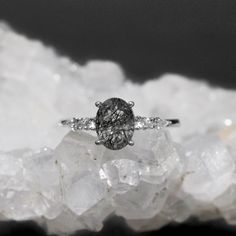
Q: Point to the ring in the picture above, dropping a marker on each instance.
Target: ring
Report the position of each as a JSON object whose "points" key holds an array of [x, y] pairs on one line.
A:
{"points": [[115, 123]]}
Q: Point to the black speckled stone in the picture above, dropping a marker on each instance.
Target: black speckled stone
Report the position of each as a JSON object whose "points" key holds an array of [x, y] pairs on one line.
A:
{"points": [[115, 123]]}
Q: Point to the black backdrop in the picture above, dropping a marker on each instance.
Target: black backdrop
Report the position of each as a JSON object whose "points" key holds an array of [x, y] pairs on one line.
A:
{"points": [[195, 38], [147, 37]]}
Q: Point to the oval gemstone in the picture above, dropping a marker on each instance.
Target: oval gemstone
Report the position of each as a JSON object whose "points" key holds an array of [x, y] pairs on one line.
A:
{"points": [[115, 123]]}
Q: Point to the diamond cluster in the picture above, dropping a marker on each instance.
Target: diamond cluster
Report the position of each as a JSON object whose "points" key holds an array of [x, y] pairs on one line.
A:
{"points": [[80, 123], [150, 123]]}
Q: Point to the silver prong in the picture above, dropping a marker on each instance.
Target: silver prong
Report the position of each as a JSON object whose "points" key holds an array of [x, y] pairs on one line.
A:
{"points": [[99, 142], [63, 122], [131, 103], [131, 142], [98, 104]]}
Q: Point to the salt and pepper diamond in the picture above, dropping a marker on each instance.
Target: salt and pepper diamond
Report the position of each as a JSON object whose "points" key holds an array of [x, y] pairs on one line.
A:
{"points": [[115, 123]]}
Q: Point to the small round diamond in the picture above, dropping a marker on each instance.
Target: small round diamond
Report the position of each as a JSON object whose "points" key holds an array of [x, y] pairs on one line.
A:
{"points": [[115, 123]]}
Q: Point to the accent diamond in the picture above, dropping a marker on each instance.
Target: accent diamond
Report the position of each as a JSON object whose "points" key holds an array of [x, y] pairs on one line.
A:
{"points": [[80, 123], [150, 123]]}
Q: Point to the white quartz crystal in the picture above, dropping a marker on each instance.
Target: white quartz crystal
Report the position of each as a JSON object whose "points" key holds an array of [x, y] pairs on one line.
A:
{"points": [[66, 182]]}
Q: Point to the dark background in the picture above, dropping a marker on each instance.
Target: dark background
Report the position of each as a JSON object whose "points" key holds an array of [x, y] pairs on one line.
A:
{"points": [[195, 38], [147, 37]]}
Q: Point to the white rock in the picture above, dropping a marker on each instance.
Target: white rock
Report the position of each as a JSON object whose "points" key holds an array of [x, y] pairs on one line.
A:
{"points": [[84, 192], [209, 169], [120, 174], [68, 183], [31, 187]]}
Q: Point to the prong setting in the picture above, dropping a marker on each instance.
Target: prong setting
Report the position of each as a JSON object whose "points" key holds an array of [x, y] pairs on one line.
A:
{"points": [[131, 103], [98, 104], [99, 142], [131, 142]]}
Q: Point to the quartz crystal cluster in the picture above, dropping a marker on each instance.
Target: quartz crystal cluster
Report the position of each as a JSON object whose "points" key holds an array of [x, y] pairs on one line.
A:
{"points": [[65, 182]]}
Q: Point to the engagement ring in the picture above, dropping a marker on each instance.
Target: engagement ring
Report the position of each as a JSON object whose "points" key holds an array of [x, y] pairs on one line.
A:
{"points": [[115, 123]]}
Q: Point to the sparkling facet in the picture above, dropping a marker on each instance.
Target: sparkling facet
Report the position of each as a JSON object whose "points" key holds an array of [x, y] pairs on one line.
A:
{"points": [[149, 123], [80, 123], [115, 123]]}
